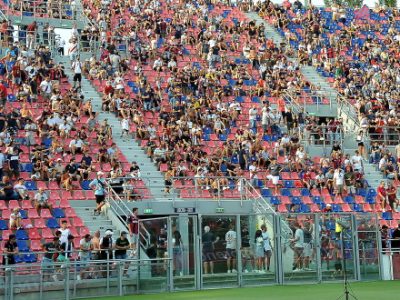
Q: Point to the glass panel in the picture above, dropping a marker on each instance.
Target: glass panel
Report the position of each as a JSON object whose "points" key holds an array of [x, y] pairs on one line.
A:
{"points": [[257, 244], [298, 248], [219, 251], [183, 252], [336, 240], [367, 227]]}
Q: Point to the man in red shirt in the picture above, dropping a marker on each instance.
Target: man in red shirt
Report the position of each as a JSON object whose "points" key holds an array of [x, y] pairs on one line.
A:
{"points": [[391, 192], [30, 35], [3, 94], [381, 197], [133, 222]]}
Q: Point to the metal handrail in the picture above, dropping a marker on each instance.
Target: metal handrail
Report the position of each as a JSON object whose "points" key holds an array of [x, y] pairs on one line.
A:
{"points": [[57, 7], [120, 209]]}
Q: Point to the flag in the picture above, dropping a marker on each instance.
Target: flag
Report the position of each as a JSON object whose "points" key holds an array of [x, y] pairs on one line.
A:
{"points": [[362, 13]]}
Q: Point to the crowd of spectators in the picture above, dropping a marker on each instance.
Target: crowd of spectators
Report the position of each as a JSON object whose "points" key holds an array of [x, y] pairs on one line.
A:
{"points": [[357, 55]]}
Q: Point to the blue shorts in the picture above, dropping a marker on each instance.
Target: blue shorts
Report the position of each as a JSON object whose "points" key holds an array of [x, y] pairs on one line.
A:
{"points": [[121, 256]]}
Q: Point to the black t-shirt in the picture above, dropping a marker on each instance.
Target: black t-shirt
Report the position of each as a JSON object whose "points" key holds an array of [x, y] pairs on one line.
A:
{"points": [[162, 241], [396, 239], [52, 248], [121, 243], [71, 169], [208, 240], [10, 247], [245, 239]]}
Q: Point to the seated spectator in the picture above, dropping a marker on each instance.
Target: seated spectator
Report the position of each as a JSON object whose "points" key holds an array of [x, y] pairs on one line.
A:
{"points": [[21, 189], [41, 201], [7, 190], [15, 219]]}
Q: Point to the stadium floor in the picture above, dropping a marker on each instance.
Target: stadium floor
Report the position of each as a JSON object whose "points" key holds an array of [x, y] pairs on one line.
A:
{"points": [[362, 290]]}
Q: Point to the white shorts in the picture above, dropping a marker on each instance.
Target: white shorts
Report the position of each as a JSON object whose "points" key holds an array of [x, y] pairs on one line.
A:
{"points": [[275, 179]]}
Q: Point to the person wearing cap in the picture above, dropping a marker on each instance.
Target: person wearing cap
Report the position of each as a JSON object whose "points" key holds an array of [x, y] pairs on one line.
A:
{"points": [[67, 248], [99, 185], [86, 247], [10, 249], [327, 208], [107, 245]]}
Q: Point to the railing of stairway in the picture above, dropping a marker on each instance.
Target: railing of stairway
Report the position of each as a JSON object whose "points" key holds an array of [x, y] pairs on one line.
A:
{"points": [[245, 188], [122, 211]]}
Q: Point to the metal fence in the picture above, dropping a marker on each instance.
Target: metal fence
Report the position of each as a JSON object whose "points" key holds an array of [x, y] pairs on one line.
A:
{"points": [[62, 10], [185, 259]]}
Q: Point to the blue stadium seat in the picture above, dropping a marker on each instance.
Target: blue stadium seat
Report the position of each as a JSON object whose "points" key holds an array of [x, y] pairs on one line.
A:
{"points": [[3, 225], [58, 213], [21, 235], [22, 246], [52, 223]]}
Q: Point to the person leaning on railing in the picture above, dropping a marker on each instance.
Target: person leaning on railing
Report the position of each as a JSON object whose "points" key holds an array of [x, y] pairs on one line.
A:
{"points": [[395, 244], [10, 249]]}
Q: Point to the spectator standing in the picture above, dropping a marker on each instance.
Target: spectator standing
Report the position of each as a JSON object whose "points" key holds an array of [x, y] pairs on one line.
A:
{"points": [[77, 69], [259, 250], [51, 250], [177, 252], [99, 186], [67, 248], [267, 247], [133, 223], [230, 239], [247, 255], [122, 245], [107, 245], [86, 247], [65, 231], [298, 243], [10, 249], [208, 240]]}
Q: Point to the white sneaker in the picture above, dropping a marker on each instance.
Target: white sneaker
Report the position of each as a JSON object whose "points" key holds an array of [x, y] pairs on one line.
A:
{"points": [[234, 271], [297, 270], [55, 278], [78, 277], [229, 271], [261, 271], [246, 271]]}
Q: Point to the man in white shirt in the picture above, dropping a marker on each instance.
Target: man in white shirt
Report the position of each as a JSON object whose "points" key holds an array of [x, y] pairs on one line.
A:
{"points": [[77, 68], [298, 243], [125, 127], [357, 162], [338, 178], [65, 232], [267, 247], [253, 117], [230, 238], [46, 87], [76, 145]]}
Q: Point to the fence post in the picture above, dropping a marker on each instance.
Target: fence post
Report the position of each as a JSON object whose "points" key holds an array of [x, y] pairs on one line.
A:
{"points": [[66, 280], [120, 274]]}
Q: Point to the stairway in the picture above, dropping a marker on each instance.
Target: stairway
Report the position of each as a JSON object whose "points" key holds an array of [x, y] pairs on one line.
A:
{"points": [[309, 73], [153, 178], [84, 209]]}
